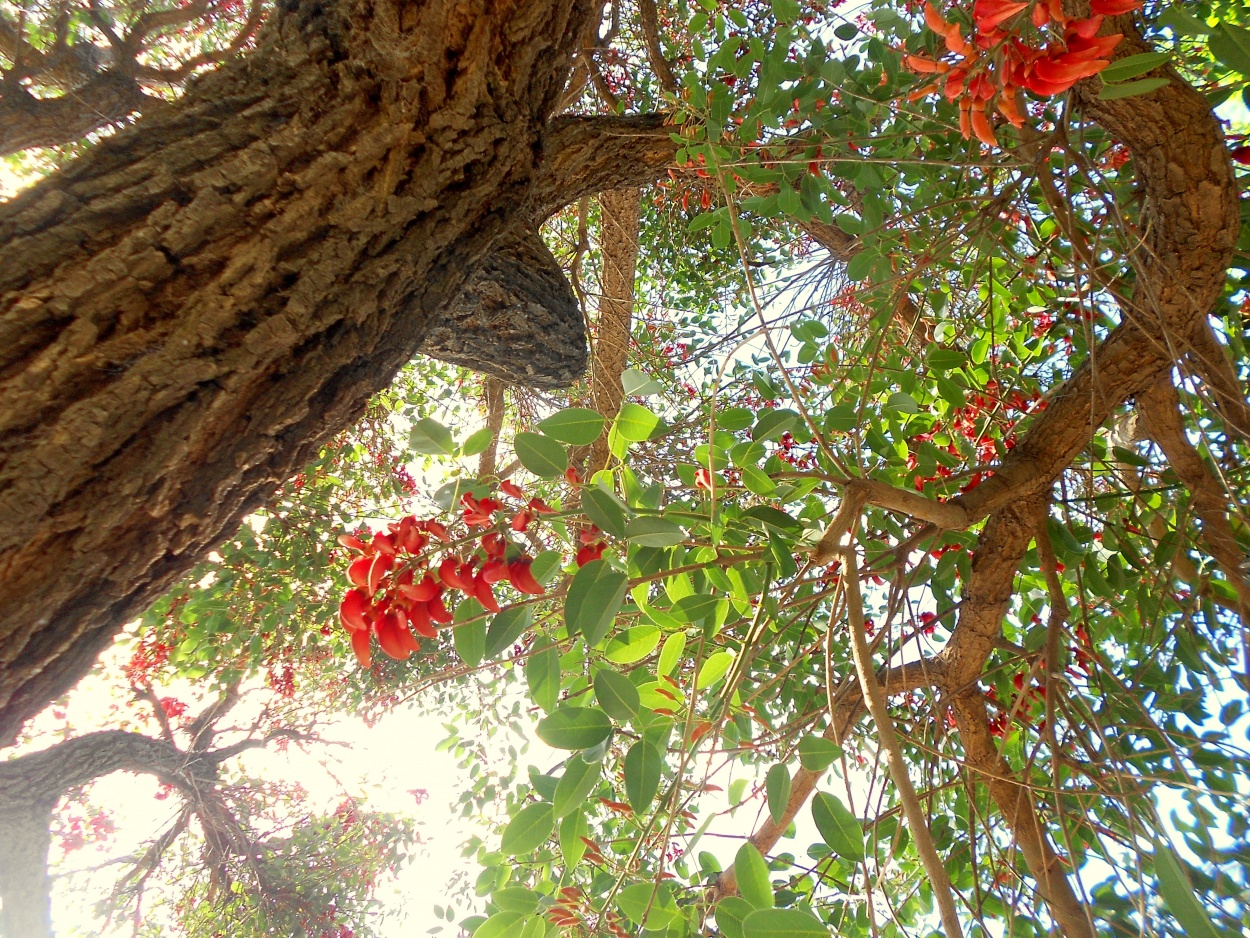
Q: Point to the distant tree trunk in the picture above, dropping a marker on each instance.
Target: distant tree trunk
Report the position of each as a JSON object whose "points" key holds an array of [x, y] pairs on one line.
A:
{"points": [[189, 311], [619, 214]]}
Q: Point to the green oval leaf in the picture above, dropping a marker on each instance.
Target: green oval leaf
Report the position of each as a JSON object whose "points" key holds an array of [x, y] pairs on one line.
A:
{"points": [[777, 788], [499, 925], [818, 754], [783, 923], [595, 597], [520, 899], [529, 830], [649, 905], [674, 646], [577, 426], [470, 642], [617, 695], [643, 766], [508, 625], [541, 455], [632, 644], [731, 912], [431, 438], [1133, 65], [654, 532], [542, 676], [691, 610], [838, 827], [477, 442], [635, 423], [1131, 88], [773, 422], [604, 509], [714, 668], [574, 728], [751, 872], [579, 780]]}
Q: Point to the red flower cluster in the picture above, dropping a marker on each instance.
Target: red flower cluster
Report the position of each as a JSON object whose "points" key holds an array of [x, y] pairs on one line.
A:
{"points": [[990, 71], [592, 547], [399, 589]]}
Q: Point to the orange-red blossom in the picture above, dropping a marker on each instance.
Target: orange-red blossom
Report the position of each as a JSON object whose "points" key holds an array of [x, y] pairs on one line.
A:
{"points": [[990, 71]]}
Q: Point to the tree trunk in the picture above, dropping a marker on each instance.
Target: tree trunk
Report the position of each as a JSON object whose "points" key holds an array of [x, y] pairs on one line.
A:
{"points": [[191, 309], [25, 903]]}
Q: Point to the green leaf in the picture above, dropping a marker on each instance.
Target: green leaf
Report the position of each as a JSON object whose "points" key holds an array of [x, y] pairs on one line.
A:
{"points": [[777, 788], [515, 899], [1182, 23], [1129, 89], [604, 509], [944, 359], [617, 695], [773, 422], [757, 481], [838, 827], [846, 32], [529, 830], [674, 647], [734, 418], [477, 442], [1133, 65], [431, 438], [714, 668], [731, 912], [751, 872], [578, 781], [508, 625], [786, 11], [648, 531], [595, 597], [637, 383], [783, 923], [499, 925], [817, 753], [691, 610], [773, 517], [470, 642], [535, 927], [1176, 888], [635, 423], [572, 829], [577, 426], [903, 403], [542, 676], [574, 728], [1231, 45], [541, 455], [860, 265], [650, 902], [632, 644], [643, 765]]}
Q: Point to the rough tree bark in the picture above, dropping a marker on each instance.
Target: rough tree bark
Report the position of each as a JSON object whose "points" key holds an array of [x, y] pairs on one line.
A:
{"points": [[191, 309]]}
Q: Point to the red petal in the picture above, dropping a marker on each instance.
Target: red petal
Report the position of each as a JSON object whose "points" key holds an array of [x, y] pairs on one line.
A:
{"points": [[390, 638], [360, 646], [438, 611], [378, 569], [1114, 7], [522, 579], [353, 611], [449, 573], [437, 530], [424, 591], [494, 570], [350, 540], [511, 488], [483, 593], [358, 572], [420, 621]]}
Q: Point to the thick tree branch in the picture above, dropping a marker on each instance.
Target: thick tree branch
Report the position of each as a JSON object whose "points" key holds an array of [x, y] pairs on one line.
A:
{"points": [[1015, 804]]}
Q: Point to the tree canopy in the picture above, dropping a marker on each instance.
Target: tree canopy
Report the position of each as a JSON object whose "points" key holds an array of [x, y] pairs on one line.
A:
{"points": [[902, 503]]}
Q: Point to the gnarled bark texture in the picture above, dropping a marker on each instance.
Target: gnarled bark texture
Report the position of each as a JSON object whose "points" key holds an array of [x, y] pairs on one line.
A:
{"points": [[190, 310]]}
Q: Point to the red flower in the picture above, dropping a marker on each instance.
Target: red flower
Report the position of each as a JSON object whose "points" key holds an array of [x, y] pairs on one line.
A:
{"points": [[360, 646], [483, 594], [1114, 7], [522, 579], [479, 514], [590, 552], [540, 507], [511, 488], [521, 520]]}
